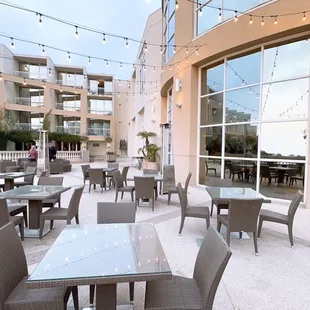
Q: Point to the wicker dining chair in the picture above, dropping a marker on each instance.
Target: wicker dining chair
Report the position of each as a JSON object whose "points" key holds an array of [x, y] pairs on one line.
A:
{"points": [[28, 180], [144, 187], [12, 169], [85, 172], [56, 181], [6, 218], [15, 208], [110, 213], [120, 187], [152, 172], [193, 293], [219, 183], [64, 214], [286, 219], [13, 277], [43, 173], [186, 211], [96, 176], [242, 216], [175, 190]]}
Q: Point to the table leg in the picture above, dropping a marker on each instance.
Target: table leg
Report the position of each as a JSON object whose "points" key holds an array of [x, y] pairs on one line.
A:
{"points": [[35, 210], [106, 297], [8, 184], [280, 176]]}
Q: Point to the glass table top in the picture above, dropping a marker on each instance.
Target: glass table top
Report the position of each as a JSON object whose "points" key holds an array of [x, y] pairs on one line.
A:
{"points": [[232, 192], [33, 191], [103, 250], [13, 175]]}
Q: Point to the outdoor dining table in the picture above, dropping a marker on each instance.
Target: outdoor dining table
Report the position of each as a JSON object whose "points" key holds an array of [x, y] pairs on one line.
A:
{"points": [[102, 255], [35, 194], [281, 171], [157, 178], [9, 178]]}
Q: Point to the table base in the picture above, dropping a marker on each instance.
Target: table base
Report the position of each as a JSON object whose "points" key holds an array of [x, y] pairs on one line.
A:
{"points": [[34, 233]]}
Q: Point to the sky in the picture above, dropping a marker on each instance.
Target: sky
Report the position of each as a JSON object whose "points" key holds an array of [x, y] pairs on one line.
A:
{"points": [[126, 18]]}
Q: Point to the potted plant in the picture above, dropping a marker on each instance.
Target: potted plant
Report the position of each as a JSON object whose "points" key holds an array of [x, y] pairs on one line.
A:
{"points": [[150, 151]]}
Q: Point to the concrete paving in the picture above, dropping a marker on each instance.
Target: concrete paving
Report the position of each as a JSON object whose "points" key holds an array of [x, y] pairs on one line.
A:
{"points": [[278, 278]]}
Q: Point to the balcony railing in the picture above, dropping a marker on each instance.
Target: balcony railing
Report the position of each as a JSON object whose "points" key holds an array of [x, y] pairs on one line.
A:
{"points": [[68, 107], [31, 75], [106, 132], [100, 112], [27, 101], [68, 83], [27, 126], [100, 91], [72, 130]]}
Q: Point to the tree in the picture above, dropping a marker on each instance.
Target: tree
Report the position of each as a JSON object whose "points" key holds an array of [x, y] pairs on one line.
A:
{"points": [[46, 124], [146, 135], [8, 120]]}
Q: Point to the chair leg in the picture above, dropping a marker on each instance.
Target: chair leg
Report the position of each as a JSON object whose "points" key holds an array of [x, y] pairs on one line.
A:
{"points": [[25, 218], [21, 230], [219, 225], [75, 297], [132, 196], [182, 224], [131, 290], [169, 197], [122, 195], [212, 204], [208, 221], [89, 187], [116, 195], [137, 203], [240, 234], [260, 224], [41, 229], [59, 202], [290, 234], [77, 220], [51, 224], [153, 203], [255, 243], [91, 294], [228, 236]]}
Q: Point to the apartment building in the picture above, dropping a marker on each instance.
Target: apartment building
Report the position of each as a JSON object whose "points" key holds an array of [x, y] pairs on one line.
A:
{"points": [[80, 103]]}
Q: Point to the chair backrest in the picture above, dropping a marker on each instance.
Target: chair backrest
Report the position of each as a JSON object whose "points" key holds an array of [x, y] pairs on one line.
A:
{"points": [[57, 181], [85, 170], [221, 182], [95, 175], [294, 205], [210, 265], [43, 173], [188, 178], [144, 187], [168, 178], [12, 169], [183, 198], [12, 261], [113, 165], [125, 172], [265, 171], [116, 212], [74, 203], [150, 171], [30, 178], [243, 214], [118, 179], [4, 213]]}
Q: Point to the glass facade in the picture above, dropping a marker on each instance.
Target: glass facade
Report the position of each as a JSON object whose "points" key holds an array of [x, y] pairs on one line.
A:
{"points": [[169, 29], [210, 14], [254, 119]]}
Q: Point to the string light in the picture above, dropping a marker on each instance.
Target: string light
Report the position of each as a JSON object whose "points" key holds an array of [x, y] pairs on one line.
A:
{"points": [[177, 4], [89, 60], [40, 19], [236, 16], [107, 63], [24, 82], [43, 50], [275, 20], [186, 60], [69, 56], [49, 71], [200, 10], [144, 68], [263, 21], [76, 32], [251, 20], [133, 67], [197, 52], [170, 67], [161, 49], [220, 15], [174, 50], [60, 89], [154, 69], [12, 43], [44, 85], [177, 65], [145, 47], [127, 43], [104, 40], [186, 50], [121, 65], [84, 77], [1, 76], [304, 16], [162, 69]]}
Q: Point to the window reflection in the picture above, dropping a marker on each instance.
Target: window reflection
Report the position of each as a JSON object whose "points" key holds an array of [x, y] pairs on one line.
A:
{"points": [[211, 111], [209, 168], [212, 79], [242, 105], [209, 17], [238, 5], [285, 100], [286, 61], [284, 140], [211, 141], [241, 140], [238, 73]]}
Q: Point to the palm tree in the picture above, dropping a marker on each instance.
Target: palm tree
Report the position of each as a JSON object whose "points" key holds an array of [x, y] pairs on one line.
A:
{"points": [[146, 135]]}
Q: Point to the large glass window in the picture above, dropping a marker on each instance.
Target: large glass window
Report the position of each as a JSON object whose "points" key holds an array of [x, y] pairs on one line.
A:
{"points": [[169, 29], [265, 124]]}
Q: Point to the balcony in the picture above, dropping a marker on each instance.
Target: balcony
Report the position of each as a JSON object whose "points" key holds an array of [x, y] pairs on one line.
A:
{"points": [[99, 112], [99, 91], [28, 101], [68, 107], [31, 75], [72, 130], [105, 132], [27, 126], [69, 83]]}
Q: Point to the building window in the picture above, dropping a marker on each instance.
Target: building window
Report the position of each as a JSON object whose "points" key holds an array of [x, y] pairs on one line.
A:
{"points": [[142, 72], [254, 123], [169, 29]]}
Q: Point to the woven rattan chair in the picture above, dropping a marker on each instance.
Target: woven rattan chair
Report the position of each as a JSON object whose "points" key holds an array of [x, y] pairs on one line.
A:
{"points": [[13, 277], [286, 219], [12, 169], [43, 173], [96, 176], [120, 187], [186, 211], [152, 172], [168, 178], [57, 181], [6, 218], [28, 180], [242, 216], [16, 207], [197, 293], [209, 169], [175, 190], [64, 214], [114, 212], [85, 172], [144, 189], [219, 183]]}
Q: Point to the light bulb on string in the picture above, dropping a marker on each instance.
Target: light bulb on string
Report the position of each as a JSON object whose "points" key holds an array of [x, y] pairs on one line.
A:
{"points": [[275, 20], [220, 15], [12, 43], [144, 68], [44, 85], [162, 69], [121, 65], [40, 19], [263, 21], [177, 65], [43, 50], [126, 42], [24, 82], [84, 77], [1, 76], [177, 4], [104, 40], [118, 95], [133, 67], [69, 56], [107, 63], [161, 49], [174, 49], [145, 47], [251, 20], [197, 52], [304, 16], [186, 50], [89, 60], [76, 32], [49, 71], [186, 59], [200, 10], [154, 69], [170, 67], [236, 16]]}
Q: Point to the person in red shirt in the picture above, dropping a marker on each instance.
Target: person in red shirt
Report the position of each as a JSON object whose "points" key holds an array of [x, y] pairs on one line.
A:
{"points": [[33, 153]]}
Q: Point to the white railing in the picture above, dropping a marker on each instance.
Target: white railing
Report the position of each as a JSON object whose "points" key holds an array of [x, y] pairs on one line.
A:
{"points": [[27, 101], [99, 132], [31, 75], [14, 155], [100, 91], [73, 130], [67, 107], [27, 126], [69, 155], [100, 112]]}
